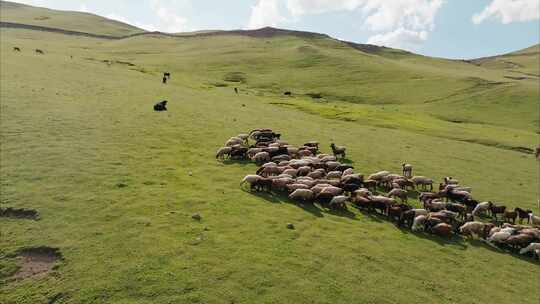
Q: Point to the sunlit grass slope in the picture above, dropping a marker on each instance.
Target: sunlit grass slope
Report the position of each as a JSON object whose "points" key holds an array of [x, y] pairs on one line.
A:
{"points": [[116, 183]]}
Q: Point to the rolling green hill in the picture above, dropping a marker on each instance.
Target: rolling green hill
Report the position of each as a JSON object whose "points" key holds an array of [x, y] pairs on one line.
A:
{"points": [[116, 184], [74, 21]]}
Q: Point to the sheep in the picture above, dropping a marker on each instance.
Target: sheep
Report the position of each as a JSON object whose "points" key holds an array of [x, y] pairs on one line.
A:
{"points": [[434, 205], [407, 170], [281, 183], [261, 157], [319, 187], [222, 152], [250, 179], [378, 176], [332, 190], [418, 223], [349, 171], [422, 181], [339, 201], [303, 195], [362, 192], [418, 212], [449, 181], [338, 150], [402, 194], [472, 228], [304, 171], [293, 187], [534, 220], [510, 216], [332, 165], [291, 172], [243, 137], [334, 175], [534, 247], [234, 141], [499, 237], [442, 229], [304, 153], [519, 241], [481, 208]]}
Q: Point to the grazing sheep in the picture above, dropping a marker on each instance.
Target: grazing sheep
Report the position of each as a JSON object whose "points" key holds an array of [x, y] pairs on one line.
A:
{"points": [[319, 173], [422, 181], [481, 208], [244, 137], [499, 237], [434, 205], [496, 210], [402, 194], [370, 184], [378, 176], [442, 229], [348, 171], [407, 170], [302, 195], [339, 201], [291, 172], [304, 171], [222, 152], [534, 247], [280, 184], [418, 223], [519, 241], [335, 191], [337, 150], [332, 165], [261, 157], [510, 216], [293, 187], [233, 141], [534, 220], [523, 214], [472, 228], [250, 179], [327, 158], [334, 175]]}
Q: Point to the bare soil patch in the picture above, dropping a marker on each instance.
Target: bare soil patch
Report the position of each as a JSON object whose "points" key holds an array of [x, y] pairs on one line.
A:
{"points": [[37, 261]]}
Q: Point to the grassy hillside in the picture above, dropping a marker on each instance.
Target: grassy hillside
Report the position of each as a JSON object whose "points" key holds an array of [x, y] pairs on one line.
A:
{"points": [[73, 21], [116, 183], [520, 64]]}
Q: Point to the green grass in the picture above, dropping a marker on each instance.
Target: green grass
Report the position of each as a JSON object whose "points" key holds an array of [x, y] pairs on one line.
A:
{"points": [[73, 129]]}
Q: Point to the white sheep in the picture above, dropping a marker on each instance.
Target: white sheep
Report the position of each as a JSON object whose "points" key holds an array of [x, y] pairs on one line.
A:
{"points": [[472, 228], [250, 179], [418, 212], [500, 236], [339, 200], [534, 247], [418, 223], [302, 195], [534, 220], [481, 208], [291, 172]]}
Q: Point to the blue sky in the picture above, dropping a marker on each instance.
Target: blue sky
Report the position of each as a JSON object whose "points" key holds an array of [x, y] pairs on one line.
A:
{"points": [[441, 28]]}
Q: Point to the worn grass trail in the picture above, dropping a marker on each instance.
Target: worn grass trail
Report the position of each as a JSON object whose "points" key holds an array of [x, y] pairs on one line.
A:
{"points": [[110, 178]]}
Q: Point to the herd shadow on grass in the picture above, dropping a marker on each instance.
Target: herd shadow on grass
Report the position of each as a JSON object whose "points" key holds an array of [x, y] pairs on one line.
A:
{"points": [[455, 240], [27, 214]]}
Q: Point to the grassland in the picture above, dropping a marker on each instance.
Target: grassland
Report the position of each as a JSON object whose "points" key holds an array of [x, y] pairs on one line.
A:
{"points": [[110, 178]]}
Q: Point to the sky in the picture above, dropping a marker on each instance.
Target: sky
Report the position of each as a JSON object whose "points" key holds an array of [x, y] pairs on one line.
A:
{"points": [[442, 28]]}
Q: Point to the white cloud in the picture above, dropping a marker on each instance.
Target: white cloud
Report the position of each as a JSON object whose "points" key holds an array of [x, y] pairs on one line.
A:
{"points": [[510, 11], [400, 38], [168, 20], [397, 23], [265, 13]]}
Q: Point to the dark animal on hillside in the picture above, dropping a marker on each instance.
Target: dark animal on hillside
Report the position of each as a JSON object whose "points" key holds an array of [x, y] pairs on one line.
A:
{"points": [[164, 80], [394, 212], [324, 198], [458, 208], [487, 229], [161, 106], [456, 196], [38, 51], [510, 216], [16, 49], [431, 222], [370, 184], [404, 183], [236, 90], [471, 204], [167, 74], [407, 218], [537, 152], [523, 214], [495, 210], [350, 187], [287, 93], [425, 197], [338, 151], [239, 154], [353, 179]]}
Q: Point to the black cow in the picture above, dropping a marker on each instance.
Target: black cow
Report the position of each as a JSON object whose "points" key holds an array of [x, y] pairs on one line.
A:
{"points": [[160, 106], [167, 74], [16, 49], [164, 80], [236, 90], [287, 93], [38, 51]]}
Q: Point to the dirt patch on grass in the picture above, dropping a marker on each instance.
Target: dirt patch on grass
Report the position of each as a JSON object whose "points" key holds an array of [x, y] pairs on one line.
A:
{"points": [[29, 214], [36, 261]]}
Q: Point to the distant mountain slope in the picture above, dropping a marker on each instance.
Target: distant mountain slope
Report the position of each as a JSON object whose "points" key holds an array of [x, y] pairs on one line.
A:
{"points": [[67, 20], [526, 62]]}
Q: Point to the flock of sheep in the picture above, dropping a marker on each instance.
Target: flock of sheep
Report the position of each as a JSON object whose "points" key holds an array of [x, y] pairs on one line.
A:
{"points": [[308, 176]]}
